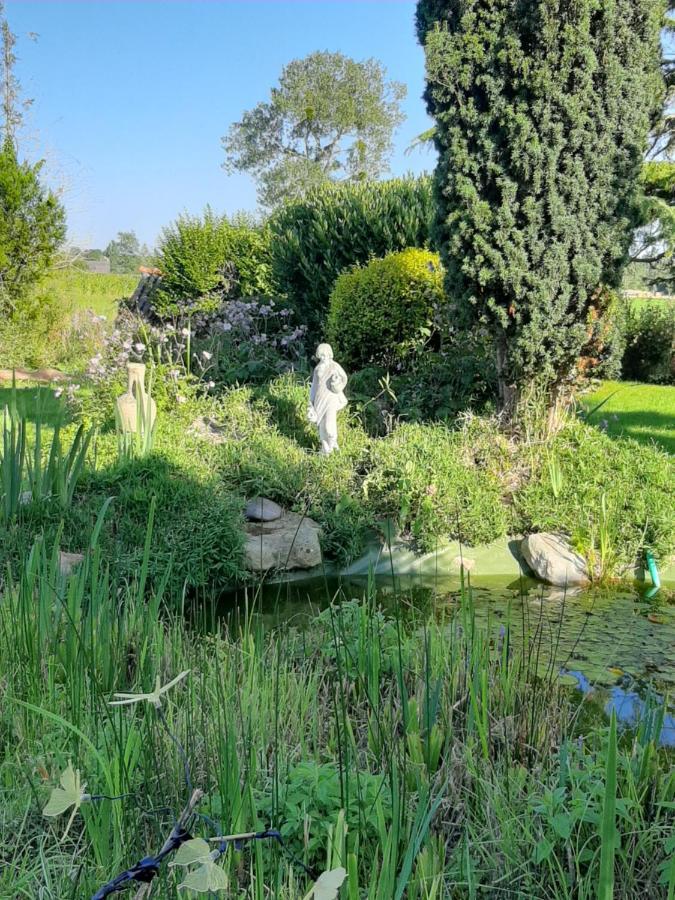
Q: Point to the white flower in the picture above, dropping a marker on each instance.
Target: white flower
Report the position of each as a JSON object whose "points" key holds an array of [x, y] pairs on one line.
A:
{"points": [[180, 398], [227, 326], [211, 384], [206, 354], [139, 347], [58, 392], [186, 332]]}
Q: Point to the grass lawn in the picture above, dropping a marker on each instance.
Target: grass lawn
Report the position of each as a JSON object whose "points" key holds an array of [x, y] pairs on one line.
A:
{"points": [[88, 290], [34, 402], [645, 412]]}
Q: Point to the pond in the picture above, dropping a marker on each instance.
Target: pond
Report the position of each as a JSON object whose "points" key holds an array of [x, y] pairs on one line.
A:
{"points": [[615, 647]]}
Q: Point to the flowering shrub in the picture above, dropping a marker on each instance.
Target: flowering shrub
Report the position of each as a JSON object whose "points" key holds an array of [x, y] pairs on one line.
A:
{"points": [[252, 340], [243, 340]]}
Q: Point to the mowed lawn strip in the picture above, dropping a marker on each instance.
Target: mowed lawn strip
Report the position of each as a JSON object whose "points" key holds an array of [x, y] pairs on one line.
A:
{"points": [[645, 412]]}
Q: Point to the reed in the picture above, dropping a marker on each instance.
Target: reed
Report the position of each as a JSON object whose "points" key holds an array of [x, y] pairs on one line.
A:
{"points": [[423, 754]]}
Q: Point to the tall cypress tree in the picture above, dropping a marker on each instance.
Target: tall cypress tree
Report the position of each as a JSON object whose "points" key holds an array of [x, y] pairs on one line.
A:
{"points": [[542, 109]]}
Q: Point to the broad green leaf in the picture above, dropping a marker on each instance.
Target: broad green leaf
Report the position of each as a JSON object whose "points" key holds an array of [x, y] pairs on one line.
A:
{"points": [[71, 793], [326, 886], [208, 877], [194, 851]]}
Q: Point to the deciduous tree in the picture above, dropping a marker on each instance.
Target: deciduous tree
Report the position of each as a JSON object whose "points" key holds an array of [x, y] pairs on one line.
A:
{"points": [[330, 118]]}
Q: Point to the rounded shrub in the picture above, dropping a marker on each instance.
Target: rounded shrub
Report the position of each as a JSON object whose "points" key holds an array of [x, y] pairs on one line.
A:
{"points": [[382, 312], [335, 226]]}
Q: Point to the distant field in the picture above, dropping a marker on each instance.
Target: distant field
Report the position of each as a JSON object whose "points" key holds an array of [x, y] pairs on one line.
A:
{"points": [[87, 290], [640, 303], [645, 412]]}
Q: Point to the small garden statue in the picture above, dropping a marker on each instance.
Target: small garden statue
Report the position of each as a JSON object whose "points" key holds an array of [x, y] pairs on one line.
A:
{"points": [[326, 397], [135, 407]]}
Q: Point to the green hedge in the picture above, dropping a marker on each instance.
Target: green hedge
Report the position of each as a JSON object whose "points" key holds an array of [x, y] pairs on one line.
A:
{"points": [[337, 226], [383, 312], [210, 254]]}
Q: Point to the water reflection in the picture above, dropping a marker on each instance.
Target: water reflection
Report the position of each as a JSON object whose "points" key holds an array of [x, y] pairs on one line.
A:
{"points": [[619, 645], [629, 706]]}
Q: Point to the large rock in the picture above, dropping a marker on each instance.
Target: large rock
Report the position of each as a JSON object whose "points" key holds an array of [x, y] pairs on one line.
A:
{"points": [[260, 509], [554, 561], [289, 542]]}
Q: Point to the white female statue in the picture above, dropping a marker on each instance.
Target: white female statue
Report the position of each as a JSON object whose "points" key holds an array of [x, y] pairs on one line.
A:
{"points": [[326, 397]]}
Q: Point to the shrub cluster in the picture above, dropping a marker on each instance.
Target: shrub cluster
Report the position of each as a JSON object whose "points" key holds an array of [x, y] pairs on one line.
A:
{"points": [[383, 312], [203, 258], [650, 344], [337, 226]]}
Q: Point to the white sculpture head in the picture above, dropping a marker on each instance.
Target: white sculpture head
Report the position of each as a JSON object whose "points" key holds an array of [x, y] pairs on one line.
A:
{"points": [[324, 353]]}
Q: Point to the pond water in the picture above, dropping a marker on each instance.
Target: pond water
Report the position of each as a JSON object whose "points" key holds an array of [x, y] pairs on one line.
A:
{"points": [[616, 647]]}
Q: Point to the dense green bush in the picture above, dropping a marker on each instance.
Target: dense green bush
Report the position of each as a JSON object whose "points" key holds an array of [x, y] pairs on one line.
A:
{"points": [[382, 313], [337, 226], [650, 344], [35, 334], [32, 226], [206, 255]]}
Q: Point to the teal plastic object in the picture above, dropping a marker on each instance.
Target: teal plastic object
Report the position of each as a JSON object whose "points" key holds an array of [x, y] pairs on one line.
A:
{"points": [[653, 571]]}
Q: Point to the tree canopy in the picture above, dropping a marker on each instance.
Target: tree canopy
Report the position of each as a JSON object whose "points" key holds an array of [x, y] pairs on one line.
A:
{"points": [[330, 118], [32, 226], [542, 109], [126, 253]]}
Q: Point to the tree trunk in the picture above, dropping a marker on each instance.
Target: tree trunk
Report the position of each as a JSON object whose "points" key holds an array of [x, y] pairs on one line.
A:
{"points": [[508, 392]]}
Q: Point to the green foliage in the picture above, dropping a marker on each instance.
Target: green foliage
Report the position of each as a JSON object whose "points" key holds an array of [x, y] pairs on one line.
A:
{"points": [[337, 226], [650, 344], [210, 255], [658, 179], [318, 790], [29, 476], [330, 118], [325, 748], [384, 312], [32, 225], [425, 479], [542, 113], [62, 321], [36, 333], [126, 254], [636, 481]]}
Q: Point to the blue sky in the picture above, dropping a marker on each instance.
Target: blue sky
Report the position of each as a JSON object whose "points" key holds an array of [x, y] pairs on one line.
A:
{"points": [[132, 98]]}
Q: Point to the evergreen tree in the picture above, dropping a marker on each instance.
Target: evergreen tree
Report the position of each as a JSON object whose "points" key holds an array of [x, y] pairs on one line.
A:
{"points": [[32, 226], [32, 220], [542, 109]]}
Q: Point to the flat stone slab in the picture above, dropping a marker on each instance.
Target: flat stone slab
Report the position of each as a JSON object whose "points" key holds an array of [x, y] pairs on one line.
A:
{"points": [[554, 561], [289, 542], [46, 375], [208, 430], [260, 509]]}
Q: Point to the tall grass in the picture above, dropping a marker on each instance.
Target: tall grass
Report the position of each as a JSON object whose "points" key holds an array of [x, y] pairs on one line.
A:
{"points": [[31, 472], [425, 756]]}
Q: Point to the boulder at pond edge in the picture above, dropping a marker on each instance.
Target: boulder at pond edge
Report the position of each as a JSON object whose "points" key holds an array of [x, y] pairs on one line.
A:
{"points": [[554, 561]]}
